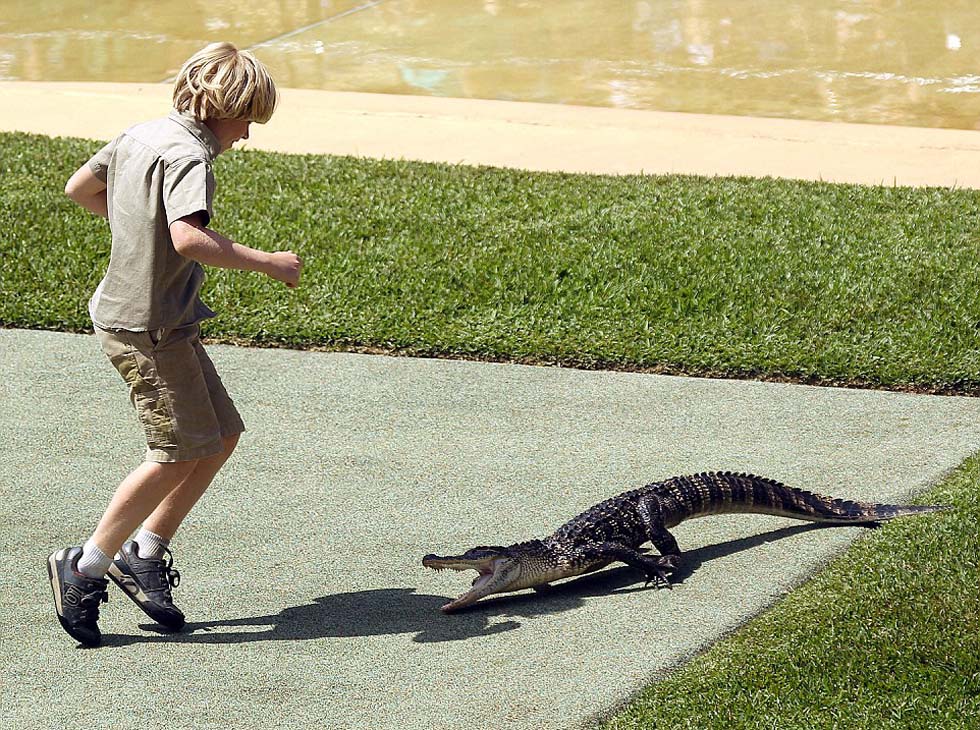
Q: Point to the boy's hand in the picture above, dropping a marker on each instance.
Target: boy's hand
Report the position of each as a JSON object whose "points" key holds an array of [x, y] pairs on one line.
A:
{"points": [[285, 266]]}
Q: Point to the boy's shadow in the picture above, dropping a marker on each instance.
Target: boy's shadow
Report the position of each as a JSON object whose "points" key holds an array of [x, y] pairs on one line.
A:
{"points": [[403, 611]]}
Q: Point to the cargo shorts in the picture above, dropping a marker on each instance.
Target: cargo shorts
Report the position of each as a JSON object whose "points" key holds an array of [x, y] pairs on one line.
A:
{"points": [[181, 402]]}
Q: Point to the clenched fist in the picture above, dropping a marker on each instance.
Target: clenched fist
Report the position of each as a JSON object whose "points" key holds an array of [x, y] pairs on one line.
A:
{"points": [[285, 266]]}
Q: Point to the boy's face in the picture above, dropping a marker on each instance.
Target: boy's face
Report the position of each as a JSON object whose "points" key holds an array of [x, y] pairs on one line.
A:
{"points": [[228, 131]]}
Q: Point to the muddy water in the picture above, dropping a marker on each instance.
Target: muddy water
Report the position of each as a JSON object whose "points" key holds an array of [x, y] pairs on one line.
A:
{"points": [[911, 62]]}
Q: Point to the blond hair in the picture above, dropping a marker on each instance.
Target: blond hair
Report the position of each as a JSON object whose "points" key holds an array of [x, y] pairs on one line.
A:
{"points": [[221, 82]]}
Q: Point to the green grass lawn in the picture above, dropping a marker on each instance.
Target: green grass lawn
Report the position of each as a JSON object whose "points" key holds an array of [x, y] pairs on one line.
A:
{"points": [[737, 277], [886, 637], [756, 278]]}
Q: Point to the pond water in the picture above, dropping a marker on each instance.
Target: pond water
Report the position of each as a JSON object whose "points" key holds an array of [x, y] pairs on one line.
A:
{"points": [[906, 62]]}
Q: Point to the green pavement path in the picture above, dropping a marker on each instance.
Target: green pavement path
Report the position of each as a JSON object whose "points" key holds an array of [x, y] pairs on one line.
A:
{"points": [[302, 582]]}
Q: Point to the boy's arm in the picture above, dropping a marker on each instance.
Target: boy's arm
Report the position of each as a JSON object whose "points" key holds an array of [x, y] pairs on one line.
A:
{"points": [[88, 191], [198, 242]]}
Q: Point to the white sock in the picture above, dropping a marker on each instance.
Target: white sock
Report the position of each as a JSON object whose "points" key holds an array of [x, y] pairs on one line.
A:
{"points": [[149, 544], [94, 563]]}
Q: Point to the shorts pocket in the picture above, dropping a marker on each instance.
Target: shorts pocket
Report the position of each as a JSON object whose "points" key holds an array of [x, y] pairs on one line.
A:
{"points": [[157, 418]]}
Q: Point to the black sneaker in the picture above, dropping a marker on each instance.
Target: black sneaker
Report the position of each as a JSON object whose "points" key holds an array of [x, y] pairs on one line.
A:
{"points": [[76, 596], [148, 582]]}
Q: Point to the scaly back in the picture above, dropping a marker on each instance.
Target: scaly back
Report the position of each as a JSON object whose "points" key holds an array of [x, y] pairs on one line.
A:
{"points": [[686, 497]]}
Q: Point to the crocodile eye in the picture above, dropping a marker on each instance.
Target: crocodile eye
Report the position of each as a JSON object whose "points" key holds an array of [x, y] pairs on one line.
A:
{"points": [[483, 550]]}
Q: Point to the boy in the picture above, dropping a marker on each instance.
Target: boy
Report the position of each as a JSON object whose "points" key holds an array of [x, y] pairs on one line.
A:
{"points": [[155, 185]]}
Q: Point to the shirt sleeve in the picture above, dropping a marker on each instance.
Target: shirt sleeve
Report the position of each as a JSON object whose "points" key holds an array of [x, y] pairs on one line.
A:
{"points": [[99, 164], [188, 188]]}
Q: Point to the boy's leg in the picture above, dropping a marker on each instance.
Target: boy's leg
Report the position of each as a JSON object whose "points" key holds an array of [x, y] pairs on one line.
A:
{"points": [[172, 396], [77, 594], [168, 515], [138, 496], [147, 576], [156, 533], [143, 568]]}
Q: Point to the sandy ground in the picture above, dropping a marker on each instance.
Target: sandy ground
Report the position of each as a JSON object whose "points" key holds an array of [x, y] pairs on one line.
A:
{"points": [[533, 136]]}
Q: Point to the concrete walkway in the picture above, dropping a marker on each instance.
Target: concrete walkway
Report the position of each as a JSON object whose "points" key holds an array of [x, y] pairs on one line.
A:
{"points": [[353, 468], [533, 136]]}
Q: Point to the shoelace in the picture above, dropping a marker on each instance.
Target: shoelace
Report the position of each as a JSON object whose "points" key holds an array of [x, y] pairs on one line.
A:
{"points": [[163, 567], [89, 604], [171, 573]]}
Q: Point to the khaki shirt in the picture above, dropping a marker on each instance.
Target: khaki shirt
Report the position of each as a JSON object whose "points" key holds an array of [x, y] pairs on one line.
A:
{"points": [[156, 173]]}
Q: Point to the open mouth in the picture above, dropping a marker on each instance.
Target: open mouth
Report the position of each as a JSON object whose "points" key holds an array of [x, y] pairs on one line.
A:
{"points": [[486, 571]]}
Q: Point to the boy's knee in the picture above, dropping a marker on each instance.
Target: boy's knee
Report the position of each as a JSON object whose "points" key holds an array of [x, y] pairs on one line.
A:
{"points": [[228, 444], [172, 470], [231, 442]]}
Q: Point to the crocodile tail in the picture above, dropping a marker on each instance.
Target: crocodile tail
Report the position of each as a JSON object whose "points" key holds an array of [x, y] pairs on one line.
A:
{"points": [[891, 511], [727, 492]]}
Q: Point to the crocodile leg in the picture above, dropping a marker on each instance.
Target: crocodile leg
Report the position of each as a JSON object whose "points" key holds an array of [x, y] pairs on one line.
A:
{"points": [[654, 568], [651, 513]]}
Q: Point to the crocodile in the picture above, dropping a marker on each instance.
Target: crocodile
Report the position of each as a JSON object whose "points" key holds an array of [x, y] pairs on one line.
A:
{"points": [[615, 530]]}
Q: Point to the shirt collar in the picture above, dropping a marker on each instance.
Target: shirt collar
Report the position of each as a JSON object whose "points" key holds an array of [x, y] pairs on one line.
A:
{"points": [[199, 129]]}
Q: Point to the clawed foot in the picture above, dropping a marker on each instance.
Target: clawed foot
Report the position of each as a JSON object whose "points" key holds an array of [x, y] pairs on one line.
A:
{"points": [[658, 569]]}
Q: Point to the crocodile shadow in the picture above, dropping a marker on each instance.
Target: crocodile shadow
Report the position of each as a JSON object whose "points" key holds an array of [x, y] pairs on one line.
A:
{"points": [[392, 611]]}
